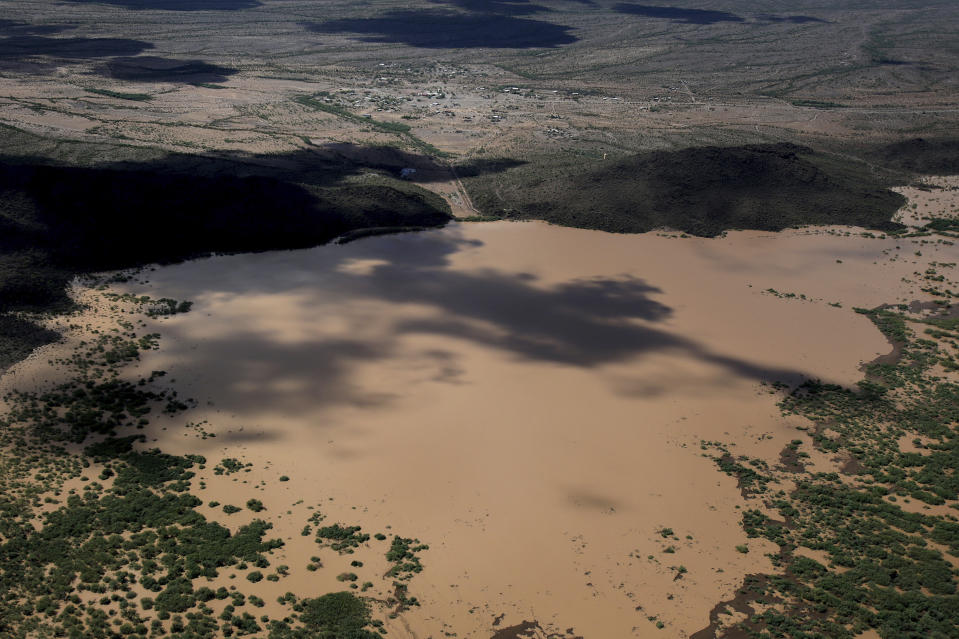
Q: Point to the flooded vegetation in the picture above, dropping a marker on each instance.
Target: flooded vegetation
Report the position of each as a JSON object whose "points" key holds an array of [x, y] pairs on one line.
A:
{"points": [[507, 319], [437, 425]]}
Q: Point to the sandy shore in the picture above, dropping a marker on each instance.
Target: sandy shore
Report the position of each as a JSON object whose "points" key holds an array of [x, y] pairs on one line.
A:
{"points": [[528, 400]]}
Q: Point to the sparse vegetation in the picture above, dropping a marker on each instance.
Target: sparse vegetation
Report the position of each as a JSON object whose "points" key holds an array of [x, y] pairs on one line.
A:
{"points": [[886, 566], [343, 539], [137, 97], [139, 525], [702, 191], [746, 117], [396, 128]]}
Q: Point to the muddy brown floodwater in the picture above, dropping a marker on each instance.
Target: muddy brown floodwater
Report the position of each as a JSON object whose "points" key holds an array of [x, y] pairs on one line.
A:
{"points": [[528, 400]]}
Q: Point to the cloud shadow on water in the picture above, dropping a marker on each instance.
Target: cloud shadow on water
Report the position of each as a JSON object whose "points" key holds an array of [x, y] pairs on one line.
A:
{"points": [[582, 323], [448, 30], [677, 14]]}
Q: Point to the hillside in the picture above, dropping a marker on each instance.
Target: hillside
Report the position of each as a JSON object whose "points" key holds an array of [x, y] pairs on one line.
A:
{"points": [[703, 191], [59, 221]]}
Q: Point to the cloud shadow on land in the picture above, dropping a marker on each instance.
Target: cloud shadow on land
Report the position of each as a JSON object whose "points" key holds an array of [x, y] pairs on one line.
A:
{"points": [[448, 30], [582, 323], [765, 17], [18, 47], [501, 7], [677, 14], [393, 160], [56, 221], [156, 69], [19, 28], [27, 49], [179, 5]]}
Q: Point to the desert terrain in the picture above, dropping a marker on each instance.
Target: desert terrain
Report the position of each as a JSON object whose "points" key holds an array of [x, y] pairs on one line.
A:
{"points": [[504, 320]]}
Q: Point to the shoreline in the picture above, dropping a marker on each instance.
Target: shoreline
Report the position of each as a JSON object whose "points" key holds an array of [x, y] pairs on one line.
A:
{"points": [[351, 420]]}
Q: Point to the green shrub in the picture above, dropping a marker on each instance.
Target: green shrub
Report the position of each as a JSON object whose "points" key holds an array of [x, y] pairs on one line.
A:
{"points": [[337, 614]]}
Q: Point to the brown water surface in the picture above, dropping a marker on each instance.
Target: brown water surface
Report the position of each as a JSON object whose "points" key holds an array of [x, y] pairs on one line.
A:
{"points": [[529, 400]]}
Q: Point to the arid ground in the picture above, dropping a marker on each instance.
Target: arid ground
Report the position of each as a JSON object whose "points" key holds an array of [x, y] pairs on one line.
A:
{"points": [[734, 414]]}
